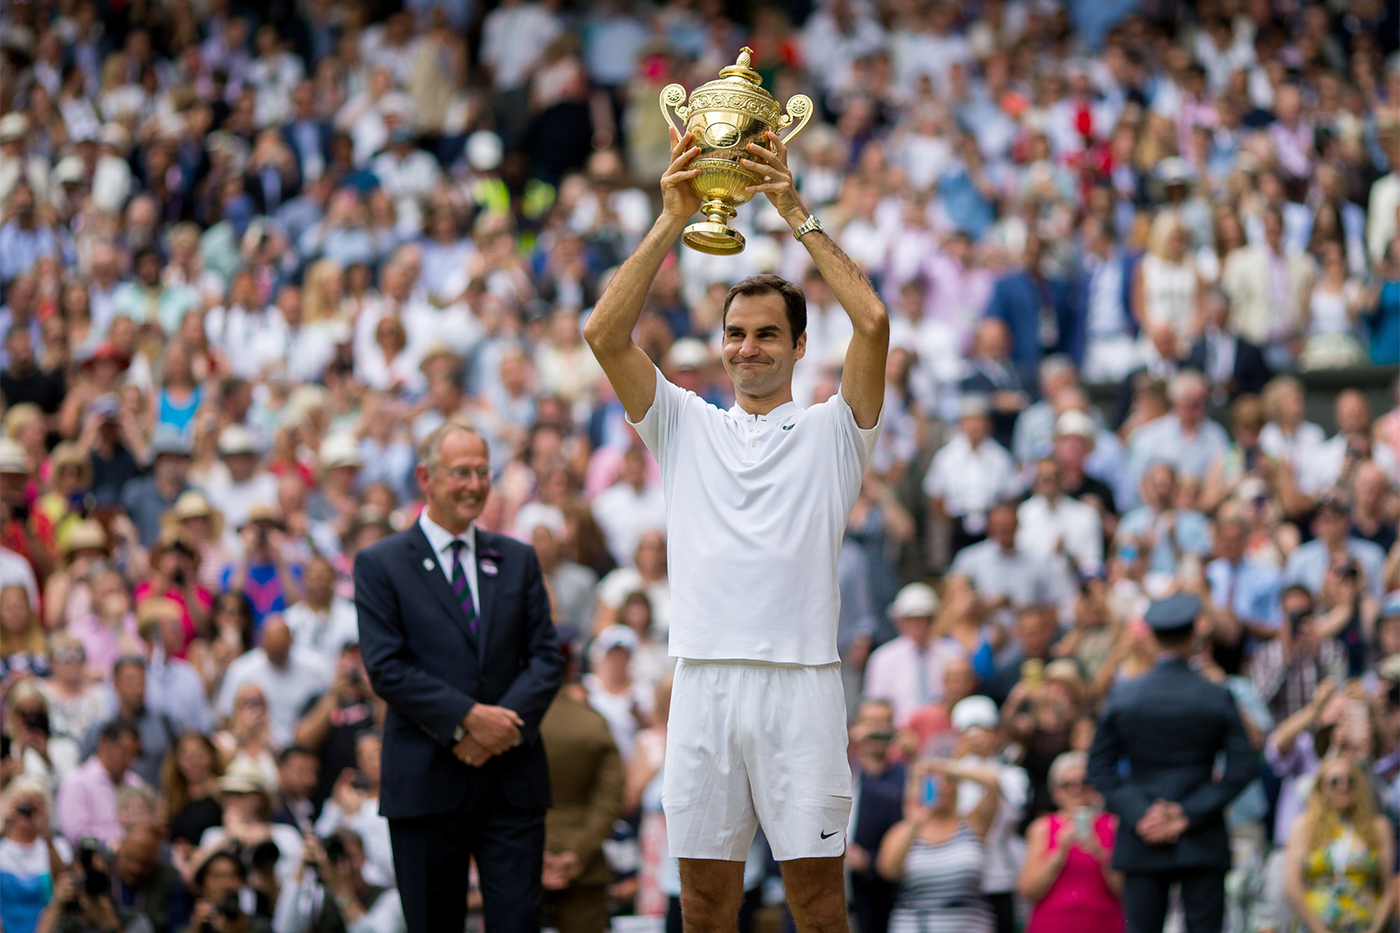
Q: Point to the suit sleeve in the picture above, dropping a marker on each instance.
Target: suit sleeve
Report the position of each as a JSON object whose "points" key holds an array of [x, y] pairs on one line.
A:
{"points": [[604, 805], [1209, 799], [1122, 797], [437, 707], [538, 681]]}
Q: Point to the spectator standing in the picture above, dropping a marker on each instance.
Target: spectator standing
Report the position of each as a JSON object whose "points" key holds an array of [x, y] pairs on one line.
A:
{"points": [[968, 474], [908, 672], [86, 804], [287, 678]]}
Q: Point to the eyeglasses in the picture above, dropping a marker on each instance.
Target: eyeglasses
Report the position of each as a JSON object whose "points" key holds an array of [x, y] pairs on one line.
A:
{"points": [[462, 474], [1072, 785], [62, 655], [1339, 782]]}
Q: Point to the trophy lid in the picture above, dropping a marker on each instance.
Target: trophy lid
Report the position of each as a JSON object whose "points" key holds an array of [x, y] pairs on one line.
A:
{"points": [[741, 69]]}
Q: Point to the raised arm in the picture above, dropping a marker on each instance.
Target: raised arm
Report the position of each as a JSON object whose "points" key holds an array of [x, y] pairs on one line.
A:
{"points": [[863, 376], [609, 328]]}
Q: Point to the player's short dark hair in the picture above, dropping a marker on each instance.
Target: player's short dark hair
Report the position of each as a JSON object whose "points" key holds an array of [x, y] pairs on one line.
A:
{"points": [[794, 301]]}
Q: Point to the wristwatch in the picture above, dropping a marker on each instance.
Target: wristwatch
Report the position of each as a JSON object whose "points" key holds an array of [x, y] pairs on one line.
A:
{"points": [[808, 225]]}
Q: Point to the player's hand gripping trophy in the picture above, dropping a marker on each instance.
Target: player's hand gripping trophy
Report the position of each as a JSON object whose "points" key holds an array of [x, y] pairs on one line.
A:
{"points": [[726, 115]]}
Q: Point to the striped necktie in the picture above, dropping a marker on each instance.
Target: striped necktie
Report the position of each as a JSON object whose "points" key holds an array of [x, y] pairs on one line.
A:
{"points": [[460, 587]]}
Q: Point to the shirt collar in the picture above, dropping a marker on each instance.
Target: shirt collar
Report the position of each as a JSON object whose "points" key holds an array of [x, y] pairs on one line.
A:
{"points": [[777, 415], [440, 538]]}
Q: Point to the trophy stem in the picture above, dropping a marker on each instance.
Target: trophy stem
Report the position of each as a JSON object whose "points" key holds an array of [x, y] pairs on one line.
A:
{"points": [[714, 236]]}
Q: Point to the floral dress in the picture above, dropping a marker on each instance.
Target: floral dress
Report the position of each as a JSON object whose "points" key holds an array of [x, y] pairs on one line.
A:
{"points": [[1342, 882]]}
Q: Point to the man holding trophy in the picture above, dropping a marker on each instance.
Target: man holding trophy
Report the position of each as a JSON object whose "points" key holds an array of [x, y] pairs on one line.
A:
{"points": [[757, 501]]}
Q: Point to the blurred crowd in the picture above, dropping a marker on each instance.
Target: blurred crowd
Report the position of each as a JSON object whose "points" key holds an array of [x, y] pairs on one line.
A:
{"points": [[251, 253]]}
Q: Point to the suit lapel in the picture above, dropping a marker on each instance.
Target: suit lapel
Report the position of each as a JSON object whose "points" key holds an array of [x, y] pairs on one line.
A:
{"points": [[487, 556], [426, 565]]}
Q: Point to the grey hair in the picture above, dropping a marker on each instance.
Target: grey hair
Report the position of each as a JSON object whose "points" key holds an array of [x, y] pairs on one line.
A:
{"points": [[1064, 762], [430, 447], [1185, 381]]}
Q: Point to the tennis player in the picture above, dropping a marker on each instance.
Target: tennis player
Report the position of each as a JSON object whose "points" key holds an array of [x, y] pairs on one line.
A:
{"points": [[757, 499]]}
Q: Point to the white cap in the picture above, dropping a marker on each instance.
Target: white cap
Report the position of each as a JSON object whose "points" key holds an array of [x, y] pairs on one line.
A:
{"points": [[13, 126], [337, 450], [112, 134], [614, 636], [534, 515], [12, 457], [69, 170], [688, 353], [236, 439], [915, 601], [975, 711], [484, 151], [1075, 423]]}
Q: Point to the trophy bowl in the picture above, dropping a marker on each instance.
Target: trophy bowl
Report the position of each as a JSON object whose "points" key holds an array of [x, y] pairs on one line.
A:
{"points": [[726, 115]]}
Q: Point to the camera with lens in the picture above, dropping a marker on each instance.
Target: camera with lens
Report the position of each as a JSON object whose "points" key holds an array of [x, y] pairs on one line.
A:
{"points": [[96, 881], [334, 847]]}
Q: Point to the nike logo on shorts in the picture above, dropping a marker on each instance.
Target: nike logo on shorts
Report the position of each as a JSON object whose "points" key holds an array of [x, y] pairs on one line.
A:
{"points": [[830, 834], [788, 427]]}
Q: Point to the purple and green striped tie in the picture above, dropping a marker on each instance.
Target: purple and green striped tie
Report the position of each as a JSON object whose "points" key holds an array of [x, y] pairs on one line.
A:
{"points": [[460, 587]]}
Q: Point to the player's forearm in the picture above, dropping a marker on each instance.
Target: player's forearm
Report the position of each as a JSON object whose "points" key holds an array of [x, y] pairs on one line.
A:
{"points": [[609, 327], [848, 284]]}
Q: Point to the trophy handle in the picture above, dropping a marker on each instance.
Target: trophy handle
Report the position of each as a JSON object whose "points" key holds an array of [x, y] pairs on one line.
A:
{"points": [[799, 111], [673, 107]]}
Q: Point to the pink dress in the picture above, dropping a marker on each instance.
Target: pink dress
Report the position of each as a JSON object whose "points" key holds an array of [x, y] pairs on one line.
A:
{"points": [[1080, 899]]}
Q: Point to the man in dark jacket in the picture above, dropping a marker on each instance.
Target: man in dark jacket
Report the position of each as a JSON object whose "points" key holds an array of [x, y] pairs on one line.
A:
{"points": [[1169, 726]]}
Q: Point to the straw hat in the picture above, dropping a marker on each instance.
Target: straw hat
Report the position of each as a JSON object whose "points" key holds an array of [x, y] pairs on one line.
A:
{"points": [[85, 535], [261, 513], [154, 610], [193, 504], [66, 454]]}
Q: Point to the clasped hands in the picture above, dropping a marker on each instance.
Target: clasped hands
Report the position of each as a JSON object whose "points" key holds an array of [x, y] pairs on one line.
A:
{"points": [[1162, 824], [491, 730]]}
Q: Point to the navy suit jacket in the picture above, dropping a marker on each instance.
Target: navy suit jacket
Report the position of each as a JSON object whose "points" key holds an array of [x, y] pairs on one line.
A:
{"points": [[422, 659], [1017, 299], [1250, 372], [1167, 727]]}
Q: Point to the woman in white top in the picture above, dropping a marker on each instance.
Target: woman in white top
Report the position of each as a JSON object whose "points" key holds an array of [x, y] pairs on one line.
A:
{"points": [[1331, 315], [1165, 283]]}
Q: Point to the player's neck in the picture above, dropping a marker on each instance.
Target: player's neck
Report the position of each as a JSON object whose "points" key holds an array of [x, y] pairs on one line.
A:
{"points": [[762, 404]]}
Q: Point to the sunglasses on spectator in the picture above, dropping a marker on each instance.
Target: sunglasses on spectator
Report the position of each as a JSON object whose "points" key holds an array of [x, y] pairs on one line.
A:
{"points": [[1071, 785], [63, 655], [1339, 782]]}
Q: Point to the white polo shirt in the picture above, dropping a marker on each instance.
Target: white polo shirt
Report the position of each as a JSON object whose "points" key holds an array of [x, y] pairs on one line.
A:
{"points": [[756, 506]]}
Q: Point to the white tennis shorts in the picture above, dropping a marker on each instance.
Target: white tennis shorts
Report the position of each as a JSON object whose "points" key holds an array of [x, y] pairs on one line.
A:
{"points": [[749, 744]]}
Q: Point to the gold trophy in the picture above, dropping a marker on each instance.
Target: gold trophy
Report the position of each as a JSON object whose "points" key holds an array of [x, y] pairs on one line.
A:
{"points": [[726, 115]]}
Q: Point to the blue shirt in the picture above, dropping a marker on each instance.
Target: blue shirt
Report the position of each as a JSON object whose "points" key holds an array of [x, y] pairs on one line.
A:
{"points": [[1257, 587], [1191, 531], [1307, 565], [1164, 441]]}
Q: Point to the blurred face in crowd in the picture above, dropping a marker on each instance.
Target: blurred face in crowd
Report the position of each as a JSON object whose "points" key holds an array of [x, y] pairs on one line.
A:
{"points": [[118, 755], [457, 485], [651, 554], [15, 612], [1047, 479], [368, 750], [129, 683], [915, 628], [298, 775], [1337, 782], [1035, 632], [1230, 539], [1160, 487], [138, 856], [1190, 405], [1353, 413], [193, 759], [759, 351], [277, 642], [976, 428], [171, 469], [320, 582], [222, 878], [1331, 525], [1071, 790], [1001, 526], [241, 467], [959, 681]]}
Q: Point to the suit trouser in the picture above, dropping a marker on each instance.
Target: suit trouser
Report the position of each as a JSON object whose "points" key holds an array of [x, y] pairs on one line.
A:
{"points": [[432, 856], [1145, 899]]}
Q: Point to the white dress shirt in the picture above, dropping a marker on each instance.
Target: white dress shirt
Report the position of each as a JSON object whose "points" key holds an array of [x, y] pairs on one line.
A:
{"points": [[441, 540], [1045, 525], [969, 480], [909, 677]]}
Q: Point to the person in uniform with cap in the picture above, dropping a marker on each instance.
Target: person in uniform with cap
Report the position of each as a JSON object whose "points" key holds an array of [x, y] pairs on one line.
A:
{"points": [[1168, 727]]}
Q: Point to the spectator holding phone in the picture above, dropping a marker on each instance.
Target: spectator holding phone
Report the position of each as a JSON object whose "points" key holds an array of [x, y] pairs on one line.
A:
{"points": [[29, 854], [936, 856], [82, 899], [1067, 875]]}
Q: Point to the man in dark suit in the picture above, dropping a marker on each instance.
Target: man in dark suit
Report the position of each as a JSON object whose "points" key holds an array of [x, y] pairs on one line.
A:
{"points": [[993, 373], [1233, 365], [456, 636], [1168, 726], [1044, 314]]}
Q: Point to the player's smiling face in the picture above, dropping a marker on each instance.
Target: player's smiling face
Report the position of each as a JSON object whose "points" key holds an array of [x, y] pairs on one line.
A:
{"points": [[758, 348]]}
